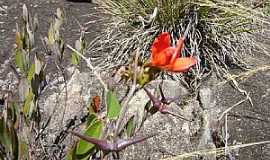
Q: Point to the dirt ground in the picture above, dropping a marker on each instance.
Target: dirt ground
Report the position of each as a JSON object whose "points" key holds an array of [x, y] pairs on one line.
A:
{"points": [[246, 123]]}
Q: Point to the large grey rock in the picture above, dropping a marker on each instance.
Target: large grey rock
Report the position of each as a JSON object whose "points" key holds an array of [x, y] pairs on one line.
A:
{"points": [[62, 107], [173, 134]]}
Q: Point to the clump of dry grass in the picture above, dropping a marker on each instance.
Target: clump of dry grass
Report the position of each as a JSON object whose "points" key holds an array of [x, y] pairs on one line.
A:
{"points": [[221, 34]]}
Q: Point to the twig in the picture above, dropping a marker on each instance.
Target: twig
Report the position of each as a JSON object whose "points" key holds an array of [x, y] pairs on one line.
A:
{"points": [[235, 84], [229, 109], [177, 116], [89, 64]]}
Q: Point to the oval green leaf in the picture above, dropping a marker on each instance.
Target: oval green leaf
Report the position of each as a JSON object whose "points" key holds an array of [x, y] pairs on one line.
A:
{"points": [[19, 60], [113, 105], [31, 73], [83, 147], [130, 127]]}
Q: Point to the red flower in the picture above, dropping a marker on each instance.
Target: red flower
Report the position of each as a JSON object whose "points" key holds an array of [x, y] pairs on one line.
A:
{"points": [[165, 57]]}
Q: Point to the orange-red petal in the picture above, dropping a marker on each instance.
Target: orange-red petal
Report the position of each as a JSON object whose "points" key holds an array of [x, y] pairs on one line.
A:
{"points": [[179, 47], [162, 58], [160, 43], [180, 64]]}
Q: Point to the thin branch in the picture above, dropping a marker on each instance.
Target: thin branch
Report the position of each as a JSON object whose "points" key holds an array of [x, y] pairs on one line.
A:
{"points": [[89, 64], [229, 109]]}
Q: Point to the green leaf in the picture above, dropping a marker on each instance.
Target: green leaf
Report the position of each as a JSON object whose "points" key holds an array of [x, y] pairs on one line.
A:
{"points": [[83, 147], [31, 72], [83, 158], [75, 59], [113, 105], [71, 154], [23, 150], [130, 127], [28, 103], [5, 136], [51, 35], [92, 118], [18, 41], [143, 79], [19, 59]]}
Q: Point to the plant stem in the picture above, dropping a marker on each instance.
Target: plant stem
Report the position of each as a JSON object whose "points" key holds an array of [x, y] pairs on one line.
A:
{"points": [[89, 64]]}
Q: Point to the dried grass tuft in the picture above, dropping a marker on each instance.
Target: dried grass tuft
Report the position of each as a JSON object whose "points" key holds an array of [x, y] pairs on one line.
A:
{"points": [[222, 32]]}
